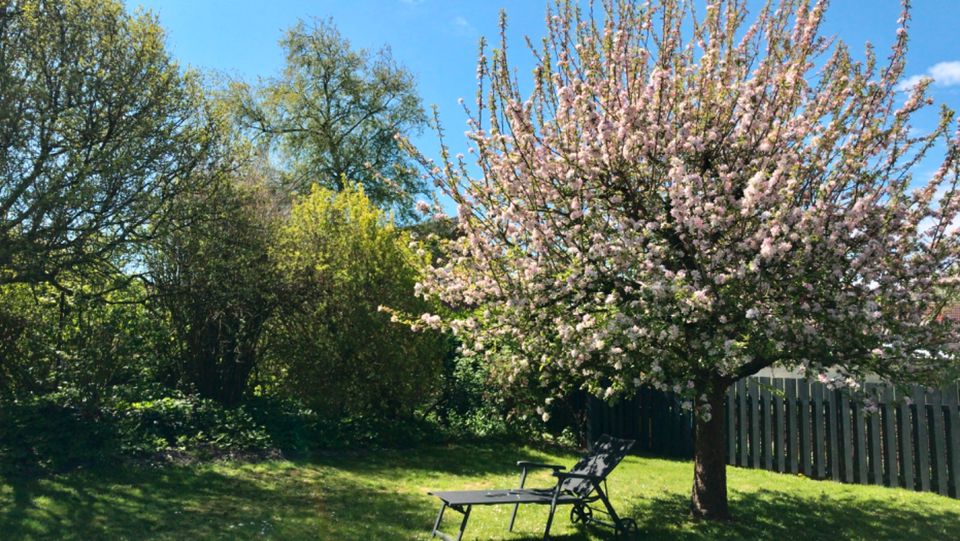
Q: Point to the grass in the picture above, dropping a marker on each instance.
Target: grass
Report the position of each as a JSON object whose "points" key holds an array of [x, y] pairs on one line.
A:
{"points": [[382, 496]]}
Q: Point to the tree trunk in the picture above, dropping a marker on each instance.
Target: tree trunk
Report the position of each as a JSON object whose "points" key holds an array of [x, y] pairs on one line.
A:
{"points": [[709, 499]]}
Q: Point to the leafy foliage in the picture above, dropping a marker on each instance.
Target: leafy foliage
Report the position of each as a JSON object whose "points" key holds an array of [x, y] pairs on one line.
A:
{"points": [[215, 279], [99, 131], [343, 258], [85, 342], [333, 115]]}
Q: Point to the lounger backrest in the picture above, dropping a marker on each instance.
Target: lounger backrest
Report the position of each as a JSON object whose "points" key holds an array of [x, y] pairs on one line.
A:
{"points": [[607, 453]]}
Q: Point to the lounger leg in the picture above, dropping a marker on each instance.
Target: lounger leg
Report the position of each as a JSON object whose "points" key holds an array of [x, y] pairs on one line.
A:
{"points": [[436, 525], [553, 508], [513, 517], [607, 504], [463, 525]]}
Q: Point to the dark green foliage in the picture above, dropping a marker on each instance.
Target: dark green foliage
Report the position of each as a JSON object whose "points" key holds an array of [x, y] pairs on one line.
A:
{"points": [[50, 434], [192, 426], [333, 115], [215, 281], [55, 432], [84, 342], [469, 406]]}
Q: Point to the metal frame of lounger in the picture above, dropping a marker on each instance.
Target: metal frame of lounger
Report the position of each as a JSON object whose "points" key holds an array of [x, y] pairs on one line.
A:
{"points": [[577, 488]]}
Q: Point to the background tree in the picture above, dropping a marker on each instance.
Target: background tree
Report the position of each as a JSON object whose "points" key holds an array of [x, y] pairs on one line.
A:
{"points": [[342, 258], [682, 200], [333, 116], [99, 130], [213, 275]]}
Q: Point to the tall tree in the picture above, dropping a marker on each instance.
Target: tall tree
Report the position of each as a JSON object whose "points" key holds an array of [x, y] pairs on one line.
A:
{"points": [[213, 275], [99, 130], [685, 198], [334, 114]]}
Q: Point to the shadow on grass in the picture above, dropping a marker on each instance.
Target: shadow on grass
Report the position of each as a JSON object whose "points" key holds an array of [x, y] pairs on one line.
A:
{"points": [[189, 503], [775, 515], [461, 460], [379, 496]]}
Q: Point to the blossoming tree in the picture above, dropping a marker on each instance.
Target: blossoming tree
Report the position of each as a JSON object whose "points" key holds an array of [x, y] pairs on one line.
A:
{"points": [[686, 196]]}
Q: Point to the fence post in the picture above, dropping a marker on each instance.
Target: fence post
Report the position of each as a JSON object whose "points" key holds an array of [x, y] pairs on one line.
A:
{"points": [[860, 442], [766, 421], [906, 444], [742, 412], [755, 442], [819, 439], [876, 459]]}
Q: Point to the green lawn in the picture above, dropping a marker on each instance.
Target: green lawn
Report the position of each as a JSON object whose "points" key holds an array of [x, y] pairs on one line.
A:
{"points": [[382, 496]]}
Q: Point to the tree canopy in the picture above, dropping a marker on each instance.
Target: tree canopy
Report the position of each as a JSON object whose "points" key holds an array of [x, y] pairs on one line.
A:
{"points": [[333, 116], [99, 130], [686, 197]]}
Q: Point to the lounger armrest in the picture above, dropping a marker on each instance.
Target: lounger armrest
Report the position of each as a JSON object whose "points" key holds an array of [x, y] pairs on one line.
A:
{"points": [[572, 475], [530, 465]]}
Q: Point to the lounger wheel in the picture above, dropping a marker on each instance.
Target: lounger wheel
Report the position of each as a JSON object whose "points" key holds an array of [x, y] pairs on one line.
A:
{"points": [[581, 514], [627, 527]]}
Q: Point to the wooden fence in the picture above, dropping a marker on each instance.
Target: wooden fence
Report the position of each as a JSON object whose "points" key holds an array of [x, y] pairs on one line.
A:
{"points": [[793, 426]]}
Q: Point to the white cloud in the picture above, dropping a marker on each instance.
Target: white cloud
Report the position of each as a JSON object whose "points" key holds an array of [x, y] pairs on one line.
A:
{"points": [[946, 73], [943, 74], [910, 82], [459, 26]]}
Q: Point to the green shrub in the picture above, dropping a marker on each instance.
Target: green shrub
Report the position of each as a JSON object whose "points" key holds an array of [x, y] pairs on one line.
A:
{"points": [[190, 426], [48, 434]]}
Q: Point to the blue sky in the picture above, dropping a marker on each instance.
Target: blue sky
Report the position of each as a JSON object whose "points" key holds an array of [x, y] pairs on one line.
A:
{"points": [[437, 39]]}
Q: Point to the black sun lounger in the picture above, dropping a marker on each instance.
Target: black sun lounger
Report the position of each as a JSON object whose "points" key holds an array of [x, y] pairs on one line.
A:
{"points": [[583, 485]]}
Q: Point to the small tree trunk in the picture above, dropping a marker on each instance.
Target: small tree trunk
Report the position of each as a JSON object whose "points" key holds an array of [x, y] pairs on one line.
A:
{"points": [[709, 500]]}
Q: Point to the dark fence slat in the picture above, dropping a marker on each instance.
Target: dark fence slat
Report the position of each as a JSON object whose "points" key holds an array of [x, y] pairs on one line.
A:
{"points": [[730, 412], [742, 412], [888, 411], [906, 444], [876, 455], [939, 433], [860, 442], [766, 420], [952, 412], [819, 438], [779, 449], [793, 429], [921, 440], [833, 434], [755, 444], [846, 437], [806, 465]]}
